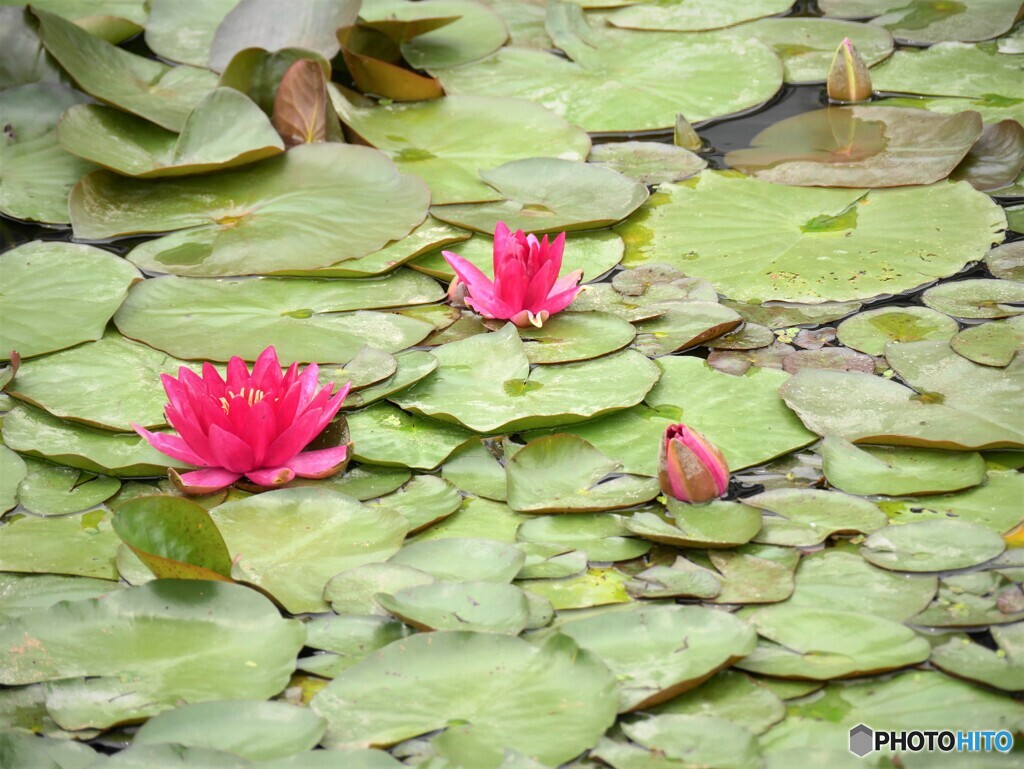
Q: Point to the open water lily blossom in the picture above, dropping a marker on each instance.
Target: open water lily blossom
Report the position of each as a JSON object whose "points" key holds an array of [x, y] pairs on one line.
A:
{"points": [[690, 467], [254, 424], [526, 288]]}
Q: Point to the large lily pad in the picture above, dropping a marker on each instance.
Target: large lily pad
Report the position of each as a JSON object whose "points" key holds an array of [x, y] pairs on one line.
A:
{"points": [[38, 175], [290, 542], [601, 536], [485, 383], [806, 517], [87, 283], [808, 45], [306, 320], [225, 129], [817, 644], [447, 142], [871, 330], [38, 434], [424, 501], [564, 473], [549, 195], [549, 702], [118, 383], [936, 545], [311, 207], [80, 545], [260, 24], [488, 607], [168, 642], [384, 434], [183, 32], [161, 94], [642, 646], [977, 298], [621, 80], [458, 559], [24, 593], [890, 414], [256, 730], [951, 69], [898, 471], [694, 15], [757, 241], [921, 22], [860, 147]]}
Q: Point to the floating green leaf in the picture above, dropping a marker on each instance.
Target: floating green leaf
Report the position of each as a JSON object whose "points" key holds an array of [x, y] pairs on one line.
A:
{"points": [[951, 69], [80, 545], [871, 330], [54, 490], [648, 162], [384, 434], [806, 517], [489, 607], [716, 524], [936, 545], [991, 344], [425, 500], [977, 298], [184, 31]]}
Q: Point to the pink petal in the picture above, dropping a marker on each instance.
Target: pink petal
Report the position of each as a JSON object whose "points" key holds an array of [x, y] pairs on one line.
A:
{"points": [[230, 451], [204, 481], [511, 282], [333, 406], [559, 302], [478, 284], [171, 445], [191, 433], [318, 464], [294, 438], [212, 379], [566, 282], [555, 251], [274, 476], [540, 287], [238, 374], [266, 371]]}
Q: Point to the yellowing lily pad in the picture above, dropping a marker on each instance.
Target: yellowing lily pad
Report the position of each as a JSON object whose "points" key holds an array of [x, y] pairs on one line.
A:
{"points": [[871, 330]]}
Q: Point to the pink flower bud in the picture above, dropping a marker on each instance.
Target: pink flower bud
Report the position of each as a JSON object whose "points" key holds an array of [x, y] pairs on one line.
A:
{"points": [[690, 467]]}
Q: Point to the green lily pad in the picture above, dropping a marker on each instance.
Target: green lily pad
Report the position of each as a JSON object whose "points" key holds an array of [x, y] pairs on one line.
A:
{"points": [[693, 15], [727, 410], [992, 107], [695, 740], [549, 195], [574, 336], [977, 298], [780, 315], [306, 320], [118, 383], [53, 490], [595, 587], [350, 639], [669, 582], [936, 545], [490, 607], [112, 20], [1002, 668], [806, 517], [424, 501], [354, 591], [819, 644], [384, 434], [480, 518], [951, 69], [24, 593], [933, 369], [996, 160], [448, 142], [861, 146], [475, 470], [871, 330], [891, 414], [1015, 218], [683, 325], [161, 94], [956, 607], [257, 72], [641, 645], [808, 244], [342, 202], [330, 531], [733, 696], [183, 32], [476, 32], [594, 253], [233, 635], [602, 536], [624, 81], [565, 474], [994, 504], [259, 23], [485, 383], [458, 559], [922, 22], [32, 752], [991, 344], [255, 730], [38, 173], [744, 578], [750, 336], [808, 45], [549, 702], [546, 560], [898, 471], [362, 482], [413, 365], [830, 578], [25, 60], [37, 434], [716, 524], [225, 129], [80, 545], [87, 283], [648, 162], [12, 471]]}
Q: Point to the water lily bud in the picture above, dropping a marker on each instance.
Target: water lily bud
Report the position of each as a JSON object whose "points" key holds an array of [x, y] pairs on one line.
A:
{"points": [[690, 467], [848, 78], [685, 136], [457, 293]]}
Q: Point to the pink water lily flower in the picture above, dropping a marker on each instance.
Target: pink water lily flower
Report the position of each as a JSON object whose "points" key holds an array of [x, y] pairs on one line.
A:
{"points": [[254, 424], [690, 467], [526, 288]]}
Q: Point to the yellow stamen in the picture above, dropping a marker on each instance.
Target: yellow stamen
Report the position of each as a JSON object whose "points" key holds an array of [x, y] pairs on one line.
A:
{"points": [[251, 396]]}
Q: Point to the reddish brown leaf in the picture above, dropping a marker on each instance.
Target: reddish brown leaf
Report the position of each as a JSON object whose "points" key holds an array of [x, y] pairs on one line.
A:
{"points": [[302, 107]]}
